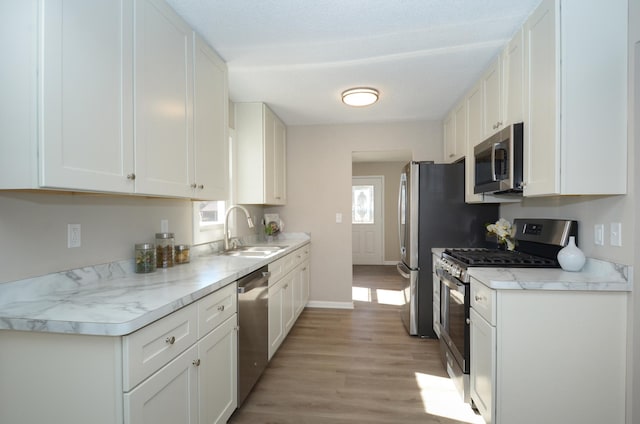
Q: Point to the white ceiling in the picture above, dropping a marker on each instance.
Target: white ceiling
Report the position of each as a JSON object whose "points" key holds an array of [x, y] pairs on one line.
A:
{"points": [[299, 55]]}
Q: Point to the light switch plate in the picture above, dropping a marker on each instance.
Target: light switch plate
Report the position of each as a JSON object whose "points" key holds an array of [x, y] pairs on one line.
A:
{"points": [[338, 218], [598, 234], [616, 234], [74, 238]]}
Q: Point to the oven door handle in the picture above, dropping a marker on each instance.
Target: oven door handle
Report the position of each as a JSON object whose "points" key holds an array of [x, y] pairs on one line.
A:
{"points": [[450, 281]]}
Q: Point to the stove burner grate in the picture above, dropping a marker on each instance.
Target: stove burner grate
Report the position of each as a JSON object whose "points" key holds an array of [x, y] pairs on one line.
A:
{"points": [[500, 258]]}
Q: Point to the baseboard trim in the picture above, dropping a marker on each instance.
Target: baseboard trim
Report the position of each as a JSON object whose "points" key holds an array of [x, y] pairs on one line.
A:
{"points": [[329, 305]]}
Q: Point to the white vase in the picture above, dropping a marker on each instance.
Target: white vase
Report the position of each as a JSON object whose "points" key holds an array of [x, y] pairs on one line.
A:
{"points": [[571, 257]]}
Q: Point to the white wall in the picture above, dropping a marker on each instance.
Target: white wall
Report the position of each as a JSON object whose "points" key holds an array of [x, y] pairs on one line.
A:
{"points": [[319, 186], [33, 229]]}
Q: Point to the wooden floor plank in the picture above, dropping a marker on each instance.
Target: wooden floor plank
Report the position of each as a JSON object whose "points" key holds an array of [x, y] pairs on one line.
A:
{"points": [[356, 366]]}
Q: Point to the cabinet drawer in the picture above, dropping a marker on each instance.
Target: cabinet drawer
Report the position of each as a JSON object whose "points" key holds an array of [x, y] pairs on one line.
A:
{"points": [[214, 309], [149, 348], [277, 270], [290, 261], [483, 301]]}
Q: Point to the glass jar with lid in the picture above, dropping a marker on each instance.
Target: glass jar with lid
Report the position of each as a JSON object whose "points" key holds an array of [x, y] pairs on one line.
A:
{"points": [[145, 258], [164, 249], [182, 253]]}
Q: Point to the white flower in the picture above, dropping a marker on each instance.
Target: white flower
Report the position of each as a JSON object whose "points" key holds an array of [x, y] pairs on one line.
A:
{"points": [[504, 231]]}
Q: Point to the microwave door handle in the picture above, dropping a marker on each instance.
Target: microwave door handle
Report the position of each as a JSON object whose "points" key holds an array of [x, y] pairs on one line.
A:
{"points": [[493, 161]]}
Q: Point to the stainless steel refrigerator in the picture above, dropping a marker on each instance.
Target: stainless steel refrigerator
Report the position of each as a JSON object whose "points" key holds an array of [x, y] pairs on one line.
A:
{"points": [[432, 213]]}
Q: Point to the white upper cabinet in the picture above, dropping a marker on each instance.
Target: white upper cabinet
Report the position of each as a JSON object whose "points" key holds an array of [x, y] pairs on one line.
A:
{"points": [[210, 114], [136, 107], [513, 80], [261, 145], [491, 83], [70, 126], [455, 133], [576, 98], [474, 130], [163, 100]]}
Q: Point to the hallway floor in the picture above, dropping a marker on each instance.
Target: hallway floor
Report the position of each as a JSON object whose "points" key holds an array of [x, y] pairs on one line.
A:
{"points": [[356, 366]]}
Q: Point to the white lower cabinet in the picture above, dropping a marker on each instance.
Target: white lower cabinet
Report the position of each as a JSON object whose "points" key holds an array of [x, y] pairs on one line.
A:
{"points": [[200, 385], [169, 396], [288, 294], [217, 379], [544, 356], [181, 369]]}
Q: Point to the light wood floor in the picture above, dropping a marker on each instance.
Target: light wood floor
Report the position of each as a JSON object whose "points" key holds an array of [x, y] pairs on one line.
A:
{"points": [[356, 366]]}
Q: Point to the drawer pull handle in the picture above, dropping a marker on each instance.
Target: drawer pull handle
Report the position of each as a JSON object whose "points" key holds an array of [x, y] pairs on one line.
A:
{"points": [[196, 362], [171, 340], [221, 308]]}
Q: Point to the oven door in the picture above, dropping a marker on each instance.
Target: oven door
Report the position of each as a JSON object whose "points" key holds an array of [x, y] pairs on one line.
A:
{"points": [[454, 318]]}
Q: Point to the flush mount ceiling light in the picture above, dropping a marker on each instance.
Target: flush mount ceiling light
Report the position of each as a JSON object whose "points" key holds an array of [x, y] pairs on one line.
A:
{"points": [[361, 96]]}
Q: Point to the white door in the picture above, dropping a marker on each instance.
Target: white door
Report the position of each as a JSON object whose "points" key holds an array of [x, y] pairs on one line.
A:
{"points": [[366, 219]]}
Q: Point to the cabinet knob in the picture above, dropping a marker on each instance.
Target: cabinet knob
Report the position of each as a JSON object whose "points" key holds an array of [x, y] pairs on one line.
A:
{"points": [[196, 362], [221, 308], [193, 186], [131, 177], [171, 340], [201, 186]]}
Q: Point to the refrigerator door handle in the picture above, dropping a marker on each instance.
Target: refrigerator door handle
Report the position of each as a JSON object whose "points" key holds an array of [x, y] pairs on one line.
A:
{"points": [[400, 215], [400, 267]]}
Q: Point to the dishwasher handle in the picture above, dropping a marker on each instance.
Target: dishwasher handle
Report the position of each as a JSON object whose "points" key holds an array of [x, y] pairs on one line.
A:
{"points": [[248, 284]]}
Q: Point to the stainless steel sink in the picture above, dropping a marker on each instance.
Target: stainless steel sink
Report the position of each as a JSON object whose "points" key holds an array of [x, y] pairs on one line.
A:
{"points": [[253, 251]]}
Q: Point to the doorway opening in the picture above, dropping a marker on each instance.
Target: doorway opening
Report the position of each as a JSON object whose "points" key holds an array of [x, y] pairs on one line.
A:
{"points": [[385, 167]]}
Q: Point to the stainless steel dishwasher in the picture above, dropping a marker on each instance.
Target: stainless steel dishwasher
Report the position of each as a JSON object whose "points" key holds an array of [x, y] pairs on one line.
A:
{"points": [[253, 336]]}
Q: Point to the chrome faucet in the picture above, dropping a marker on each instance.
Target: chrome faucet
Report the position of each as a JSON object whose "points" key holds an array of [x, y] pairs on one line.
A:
{"points": [[227, 234]]}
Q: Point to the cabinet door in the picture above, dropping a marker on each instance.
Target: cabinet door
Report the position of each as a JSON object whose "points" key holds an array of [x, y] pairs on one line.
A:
{"points": [[217, 373], [269, 122], [163, 100], [167, 397], [492, 98], [302, 288], [86, 124], [483, 366], [210, 116], [276, 318], [279, 162], [461, 133], [513, 77], [288, 302], [541, 146], [449, 130], [474, 136]]}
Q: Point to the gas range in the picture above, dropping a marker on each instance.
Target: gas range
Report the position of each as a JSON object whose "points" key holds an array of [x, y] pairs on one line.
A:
{"points": [[537, 244]]}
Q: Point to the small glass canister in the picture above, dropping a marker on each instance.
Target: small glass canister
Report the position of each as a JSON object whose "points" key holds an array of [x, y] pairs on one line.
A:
{"points": [[182, 253], [164, 249], [145, 258]]}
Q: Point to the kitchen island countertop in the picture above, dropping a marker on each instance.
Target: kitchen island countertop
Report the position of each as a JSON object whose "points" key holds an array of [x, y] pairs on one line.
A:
{"points": [[596, 275], [112, 300]]}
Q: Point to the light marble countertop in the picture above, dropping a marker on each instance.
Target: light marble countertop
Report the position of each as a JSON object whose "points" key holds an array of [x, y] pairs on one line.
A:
{"points": [[596, 275], [112, 300]]}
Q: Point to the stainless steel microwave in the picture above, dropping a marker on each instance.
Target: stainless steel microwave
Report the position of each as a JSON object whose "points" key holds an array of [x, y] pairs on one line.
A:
{"points": [[498, 162]]}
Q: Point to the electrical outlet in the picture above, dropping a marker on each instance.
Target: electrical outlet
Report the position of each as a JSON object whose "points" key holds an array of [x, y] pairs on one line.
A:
{"points": [[74, 238], [598, 234], [616, 234]]}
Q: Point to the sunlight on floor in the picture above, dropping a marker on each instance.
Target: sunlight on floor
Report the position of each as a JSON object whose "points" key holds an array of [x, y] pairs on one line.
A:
{"points": [[440, 398], [361, 294], [390, 297], [381, 296]]}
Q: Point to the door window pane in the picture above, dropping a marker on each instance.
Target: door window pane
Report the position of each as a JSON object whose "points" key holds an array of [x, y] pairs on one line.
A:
{"points": [[362, 211]]}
